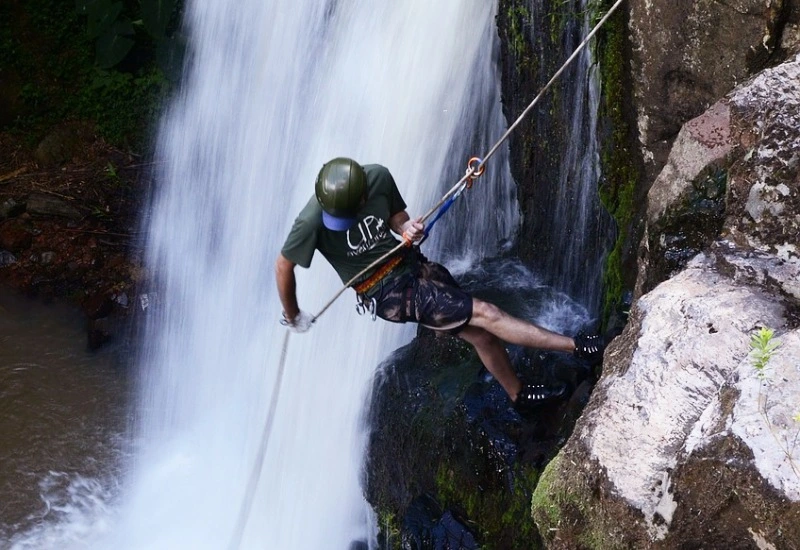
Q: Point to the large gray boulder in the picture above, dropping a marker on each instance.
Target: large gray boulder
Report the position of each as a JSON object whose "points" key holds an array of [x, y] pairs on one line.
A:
{"points": [[685, 442], [749, 144], [686, 55]]}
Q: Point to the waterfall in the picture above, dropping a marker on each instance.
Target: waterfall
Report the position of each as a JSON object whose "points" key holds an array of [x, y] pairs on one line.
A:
{"points": [[272, 90], [583, 227], [567, 232]]}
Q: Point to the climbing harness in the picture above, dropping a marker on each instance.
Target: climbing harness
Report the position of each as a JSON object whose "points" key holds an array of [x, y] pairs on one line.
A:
{"points": [[368, 284], [475, 168]]}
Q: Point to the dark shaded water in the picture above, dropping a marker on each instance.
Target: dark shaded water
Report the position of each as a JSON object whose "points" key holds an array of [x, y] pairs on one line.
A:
{"points": [[62, 413]]}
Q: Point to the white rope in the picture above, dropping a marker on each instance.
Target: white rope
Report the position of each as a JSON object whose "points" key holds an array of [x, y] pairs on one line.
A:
{"points": [[258, 465], [477, 169]]}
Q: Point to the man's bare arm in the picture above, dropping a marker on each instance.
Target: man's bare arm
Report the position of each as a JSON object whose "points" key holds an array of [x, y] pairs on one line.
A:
{"points": [[287, 286]]}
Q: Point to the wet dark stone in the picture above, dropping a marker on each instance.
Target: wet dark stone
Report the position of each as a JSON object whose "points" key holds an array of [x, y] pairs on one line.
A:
{"points": [[14, 236], [100, 332], [427, 527], [44, 205], [99, 304], [6, 258], [687, 229], [10, 208]]}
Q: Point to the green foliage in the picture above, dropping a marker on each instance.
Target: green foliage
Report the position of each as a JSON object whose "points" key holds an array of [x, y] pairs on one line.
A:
{"points": [[60, 51], [122, 103], [762, 348], [390, 529], [156, 15], [114, 28]]}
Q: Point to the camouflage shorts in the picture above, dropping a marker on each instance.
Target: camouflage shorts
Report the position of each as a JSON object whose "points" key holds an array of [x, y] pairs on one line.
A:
{"points": [[430, 297]]}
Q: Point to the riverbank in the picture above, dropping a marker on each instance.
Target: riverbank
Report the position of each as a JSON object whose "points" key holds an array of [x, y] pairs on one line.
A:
{"points": [[69, 224]]}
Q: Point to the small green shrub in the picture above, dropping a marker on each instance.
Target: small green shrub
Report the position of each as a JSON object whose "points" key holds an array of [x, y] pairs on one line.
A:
{"points": [[762, 348]]}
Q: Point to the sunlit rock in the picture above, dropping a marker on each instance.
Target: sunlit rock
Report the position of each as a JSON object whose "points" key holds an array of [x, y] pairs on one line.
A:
{"points": [[685, 440], [686, 56]]}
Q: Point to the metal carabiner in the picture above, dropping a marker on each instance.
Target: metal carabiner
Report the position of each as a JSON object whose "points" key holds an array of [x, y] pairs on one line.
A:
{"points": [[367, 305], [474, 171]]}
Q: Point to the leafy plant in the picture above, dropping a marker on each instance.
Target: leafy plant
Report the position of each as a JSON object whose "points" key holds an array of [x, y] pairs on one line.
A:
{"points": [[122, 104], [51, 63], [762, 348], [114, 29]]}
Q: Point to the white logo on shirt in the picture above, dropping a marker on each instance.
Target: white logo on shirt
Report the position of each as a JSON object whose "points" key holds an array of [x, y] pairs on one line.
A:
{"points": [[365, 235]]}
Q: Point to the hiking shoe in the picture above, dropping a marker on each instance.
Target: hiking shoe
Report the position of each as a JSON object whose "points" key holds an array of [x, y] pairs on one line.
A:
{"points": [[537, 394], [589, 347]]}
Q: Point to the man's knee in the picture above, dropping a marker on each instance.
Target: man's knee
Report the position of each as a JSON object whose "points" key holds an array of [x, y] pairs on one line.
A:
{"points": [[484, 312]]}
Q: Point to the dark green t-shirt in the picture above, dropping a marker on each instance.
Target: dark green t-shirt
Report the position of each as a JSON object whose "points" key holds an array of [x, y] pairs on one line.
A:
{"points": [[349, 251]]}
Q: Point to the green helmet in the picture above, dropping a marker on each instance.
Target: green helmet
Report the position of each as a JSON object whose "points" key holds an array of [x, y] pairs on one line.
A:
{"points": [[341, 187]]}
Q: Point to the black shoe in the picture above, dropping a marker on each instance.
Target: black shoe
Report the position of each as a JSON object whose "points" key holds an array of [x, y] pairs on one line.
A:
{"points": [[532, 395], [589, 347]]}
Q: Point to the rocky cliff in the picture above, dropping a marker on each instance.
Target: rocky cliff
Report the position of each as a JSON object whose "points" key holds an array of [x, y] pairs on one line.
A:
{"points": [[692, 435]]}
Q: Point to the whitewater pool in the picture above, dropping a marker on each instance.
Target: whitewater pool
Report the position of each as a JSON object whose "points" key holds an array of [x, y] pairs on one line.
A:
{"points": [[62, 418]]}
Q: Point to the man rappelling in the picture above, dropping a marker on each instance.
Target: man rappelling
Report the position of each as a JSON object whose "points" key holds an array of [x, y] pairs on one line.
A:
{"points": [[351, 221]]}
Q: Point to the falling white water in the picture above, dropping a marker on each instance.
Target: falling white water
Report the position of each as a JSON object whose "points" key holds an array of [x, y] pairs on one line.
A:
{"points": [[583, 227], [273, 90]]}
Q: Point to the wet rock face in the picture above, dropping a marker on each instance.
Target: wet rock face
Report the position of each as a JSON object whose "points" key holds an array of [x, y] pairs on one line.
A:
{"points": [[448, 456], [532, 50], [710, 47], [444, 451]]}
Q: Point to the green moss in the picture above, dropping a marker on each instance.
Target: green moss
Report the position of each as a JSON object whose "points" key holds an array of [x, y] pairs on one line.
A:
{"points": [[621, 176], [550, 498], [518, 17], [503, 515], [557, 21], [556, 503], [541, 503]]}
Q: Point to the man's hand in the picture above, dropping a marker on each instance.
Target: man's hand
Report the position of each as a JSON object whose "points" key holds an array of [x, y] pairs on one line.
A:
{"points": [[413, 231], [300, 323]]}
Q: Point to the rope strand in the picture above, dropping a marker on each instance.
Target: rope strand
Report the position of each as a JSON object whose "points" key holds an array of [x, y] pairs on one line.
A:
{"points": [[471, 170], [258, 465]]}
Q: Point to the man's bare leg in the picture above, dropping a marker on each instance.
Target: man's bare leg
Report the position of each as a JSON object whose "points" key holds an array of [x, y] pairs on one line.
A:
{"points": [[516, 331], [494, 357]]}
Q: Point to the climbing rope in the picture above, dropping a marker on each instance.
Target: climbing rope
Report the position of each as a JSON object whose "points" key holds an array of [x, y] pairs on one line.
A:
{"points": [[475, 168], [258, 465]]}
